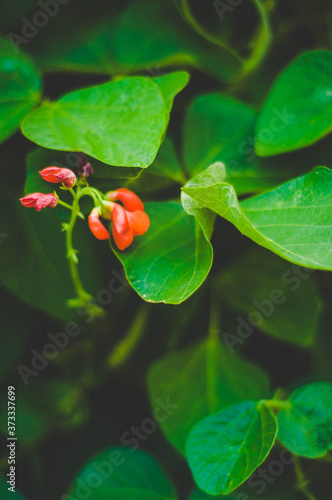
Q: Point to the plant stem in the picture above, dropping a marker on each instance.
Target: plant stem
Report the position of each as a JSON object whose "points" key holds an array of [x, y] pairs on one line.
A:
{"points": [[301, 481], [263, 42], [186, 11], [94, 193], [126, 346], [60, 202], [71, 253], [276, 404]]}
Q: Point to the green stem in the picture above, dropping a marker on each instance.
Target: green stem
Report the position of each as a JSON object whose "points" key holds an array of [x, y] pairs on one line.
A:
{"points": [[275, 404], [124, 349], [82, 295], [94, 193], [262, 43], [214, 326], [186, 11], [60, 202], [301, 481]]}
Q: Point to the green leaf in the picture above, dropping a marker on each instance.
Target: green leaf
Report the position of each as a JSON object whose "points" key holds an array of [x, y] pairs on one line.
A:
{"points": [[294, 220], [123, 474], [280, 295], [170, 85], [218, 128], [218, 378], [214, 128], [166, 163], [298, 110], [19, 88], [128, 493], [247, 494], [120, 123], [225, 448], [171, 260], [148, 36], [200, 495], [305, 423]]}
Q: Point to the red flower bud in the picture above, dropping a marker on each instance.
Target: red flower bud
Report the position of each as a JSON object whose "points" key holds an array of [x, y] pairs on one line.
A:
{"points": [[130, 200], [96, 227], [39, 201], [56, 175], [139, 222]]}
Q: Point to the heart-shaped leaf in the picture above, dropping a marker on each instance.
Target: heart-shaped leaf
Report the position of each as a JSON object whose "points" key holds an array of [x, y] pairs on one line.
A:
{"points": [[280, 297], [121, 474], [298, 110], [172, 259], [294, 220], [120, 123], [225, 448], [305, 422], [20, 88], [218, 128], [219, 380]]}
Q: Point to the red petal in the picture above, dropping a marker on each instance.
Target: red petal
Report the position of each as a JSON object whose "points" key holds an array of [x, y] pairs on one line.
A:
{"points": [[130, 200], [96, 227], [139, 222], [49, 174], [120, 219], [123, 240]]}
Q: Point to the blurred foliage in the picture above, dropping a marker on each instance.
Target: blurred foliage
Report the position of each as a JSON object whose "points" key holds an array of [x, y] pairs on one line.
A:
{"points": [[88, 385]]}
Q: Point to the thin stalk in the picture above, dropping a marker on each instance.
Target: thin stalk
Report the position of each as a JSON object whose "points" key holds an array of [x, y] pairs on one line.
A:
{"points": [[301, 481], [124, 349], [71, 253], [60, 202]]}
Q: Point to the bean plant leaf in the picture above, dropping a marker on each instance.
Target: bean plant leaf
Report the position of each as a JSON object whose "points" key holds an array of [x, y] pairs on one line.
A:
{"points": [[123, 474], [20, 88], [247, 494], [120, 123], [171, 260], [305, 423], [281, 297], [298, 110], [218, 128], [225, 448], [220, 379], [200, 495], [294, 220], [120, 45], [167, 164]]}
